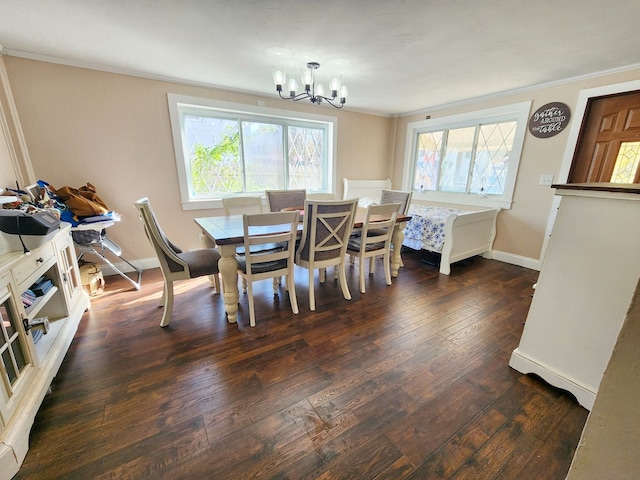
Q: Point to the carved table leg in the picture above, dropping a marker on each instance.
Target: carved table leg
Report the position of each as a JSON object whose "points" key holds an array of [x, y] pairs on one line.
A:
{"points": [[397, 239], [228, 266]]}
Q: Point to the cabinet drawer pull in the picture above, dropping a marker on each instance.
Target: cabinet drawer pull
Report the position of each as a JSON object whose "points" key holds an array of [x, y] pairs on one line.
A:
{"points": [[39, 260]]}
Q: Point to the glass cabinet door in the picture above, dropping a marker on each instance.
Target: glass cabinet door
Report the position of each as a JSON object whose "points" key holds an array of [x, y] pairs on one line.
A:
{"points": [[70, 274], [15, 355]]}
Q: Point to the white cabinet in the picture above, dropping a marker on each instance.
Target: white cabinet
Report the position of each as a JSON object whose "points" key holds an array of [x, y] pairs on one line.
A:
{"points": [[586, 283], [27, 367]]}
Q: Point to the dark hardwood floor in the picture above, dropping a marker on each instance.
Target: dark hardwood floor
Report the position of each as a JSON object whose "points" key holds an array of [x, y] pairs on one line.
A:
{"points": [[409, 381]]}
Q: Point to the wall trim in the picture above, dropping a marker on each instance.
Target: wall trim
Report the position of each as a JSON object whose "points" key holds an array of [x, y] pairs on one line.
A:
{"points": [[152, 262], [513, 259], [166, 78], [524, 364], [517, 91], [157, 77]]}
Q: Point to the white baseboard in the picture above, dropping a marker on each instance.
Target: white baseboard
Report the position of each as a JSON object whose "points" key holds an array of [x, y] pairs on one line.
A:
{"points": [[522, 363], [513, 259], [152, 262]]}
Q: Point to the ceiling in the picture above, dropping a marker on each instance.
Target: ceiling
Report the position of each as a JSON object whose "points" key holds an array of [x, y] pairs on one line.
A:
{"points": [[395, 56]]}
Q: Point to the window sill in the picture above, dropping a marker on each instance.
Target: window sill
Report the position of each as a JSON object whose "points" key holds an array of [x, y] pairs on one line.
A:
{"points": [[202, 204], [490, 201]]}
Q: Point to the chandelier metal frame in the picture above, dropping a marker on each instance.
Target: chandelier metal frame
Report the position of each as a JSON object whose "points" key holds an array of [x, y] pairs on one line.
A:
{"points": [[314, 92]]}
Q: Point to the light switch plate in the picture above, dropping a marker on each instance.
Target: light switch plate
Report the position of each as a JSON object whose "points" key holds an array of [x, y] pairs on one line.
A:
{"points": [[546, 180]]}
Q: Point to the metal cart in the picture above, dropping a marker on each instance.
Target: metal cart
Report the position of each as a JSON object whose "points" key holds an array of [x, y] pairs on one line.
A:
{"points": [[92, 238]]}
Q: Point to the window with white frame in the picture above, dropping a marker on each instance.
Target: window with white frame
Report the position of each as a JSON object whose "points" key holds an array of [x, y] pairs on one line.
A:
{"points": [[225, 149], [470, 158]]}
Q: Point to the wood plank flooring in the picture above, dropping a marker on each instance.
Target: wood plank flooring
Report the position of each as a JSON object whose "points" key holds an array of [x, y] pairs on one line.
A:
{"points": [[409, 381]]}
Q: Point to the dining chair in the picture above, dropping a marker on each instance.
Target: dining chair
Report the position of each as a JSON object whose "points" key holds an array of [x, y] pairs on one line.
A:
{"points": [[374, 240], [397, 196], [280, 199], [257, 264], [321, 196], [326, 229], [240, 205], [174, 263]]}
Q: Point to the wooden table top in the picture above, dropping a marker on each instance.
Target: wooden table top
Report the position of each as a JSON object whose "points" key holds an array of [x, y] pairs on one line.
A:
{"points": [[228, 230]]}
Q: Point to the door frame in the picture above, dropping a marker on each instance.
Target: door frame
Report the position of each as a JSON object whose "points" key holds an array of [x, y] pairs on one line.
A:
{"points": [[572, 142]]}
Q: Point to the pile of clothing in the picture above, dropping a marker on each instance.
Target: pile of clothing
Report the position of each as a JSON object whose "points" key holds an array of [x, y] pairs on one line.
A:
{"points": [[76, 205]]}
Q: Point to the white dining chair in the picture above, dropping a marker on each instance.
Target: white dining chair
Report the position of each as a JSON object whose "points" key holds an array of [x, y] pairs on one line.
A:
{"points": [[374, 240], [326, 229], [240, 205], [174, 263], [258, 264]]}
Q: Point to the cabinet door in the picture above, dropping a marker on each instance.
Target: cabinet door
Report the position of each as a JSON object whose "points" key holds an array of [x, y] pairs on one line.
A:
{"points": [[69, 270], [16, 365]]}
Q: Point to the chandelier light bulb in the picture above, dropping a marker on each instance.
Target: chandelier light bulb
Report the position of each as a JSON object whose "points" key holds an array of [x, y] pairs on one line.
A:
{"points": [[307, 78], [293, 86], [344, 92], [319, 90], [278, 77], [335, 86]]}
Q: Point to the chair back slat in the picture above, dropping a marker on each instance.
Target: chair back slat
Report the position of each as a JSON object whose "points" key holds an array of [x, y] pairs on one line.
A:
{"points": [[241, 205], [271, 228], [379, 223]]}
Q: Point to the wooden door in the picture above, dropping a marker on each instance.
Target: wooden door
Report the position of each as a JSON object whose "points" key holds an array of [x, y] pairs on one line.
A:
{"points": [[609, 143]]}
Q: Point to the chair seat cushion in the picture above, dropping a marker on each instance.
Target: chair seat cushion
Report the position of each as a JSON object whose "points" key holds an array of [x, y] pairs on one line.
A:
{"points": [[266, 247], [201, 262], [261, 267], [354, 245], [374, 232]]}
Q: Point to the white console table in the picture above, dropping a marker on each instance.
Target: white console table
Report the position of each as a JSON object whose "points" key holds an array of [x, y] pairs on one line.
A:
{"points": [[27, 367], [586, 283]]}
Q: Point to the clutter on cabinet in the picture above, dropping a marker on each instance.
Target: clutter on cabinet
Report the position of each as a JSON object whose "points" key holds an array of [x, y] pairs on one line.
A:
{"points": [[37, 211]]}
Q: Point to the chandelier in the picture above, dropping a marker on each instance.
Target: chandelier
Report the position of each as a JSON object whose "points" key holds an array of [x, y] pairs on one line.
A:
{"points": [[312, 90]]}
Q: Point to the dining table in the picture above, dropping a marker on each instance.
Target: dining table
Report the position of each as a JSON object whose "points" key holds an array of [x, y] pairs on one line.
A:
{"points": [[226, 233]]}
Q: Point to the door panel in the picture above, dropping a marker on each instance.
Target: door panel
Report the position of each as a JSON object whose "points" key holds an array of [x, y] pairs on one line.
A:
{"points": [[609, 121]]}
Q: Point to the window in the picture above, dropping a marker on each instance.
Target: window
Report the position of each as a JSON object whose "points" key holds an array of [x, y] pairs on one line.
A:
{"points": [[627, 166], [227, 149], [471, 158]]}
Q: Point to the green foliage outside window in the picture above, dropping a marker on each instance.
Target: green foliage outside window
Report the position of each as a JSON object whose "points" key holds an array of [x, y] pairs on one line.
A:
{"points": [[216, 168]]}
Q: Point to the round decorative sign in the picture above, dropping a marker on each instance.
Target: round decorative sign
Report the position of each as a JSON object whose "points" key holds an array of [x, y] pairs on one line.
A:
{"points": [[549, 120]]}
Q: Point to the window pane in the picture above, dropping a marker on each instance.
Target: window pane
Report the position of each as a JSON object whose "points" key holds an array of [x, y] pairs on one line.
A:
{"points": [[18, 354], [627, 161], [263, 156], [491, 163], [457, 159], [427, 161], [213, 148], [12, 375], [7, 323], [307, 168]]}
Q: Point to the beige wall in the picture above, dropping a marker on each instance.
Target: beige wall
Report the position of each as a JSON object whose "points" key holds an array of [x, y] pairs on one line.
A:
{"points": [[113, 131], [521, 230]]}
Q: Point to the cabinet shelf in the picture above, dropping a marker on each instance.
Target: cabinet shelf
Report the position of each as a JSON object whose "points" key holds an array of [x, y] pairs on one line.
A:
{"points": [[40, 302], [43, 347]]}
